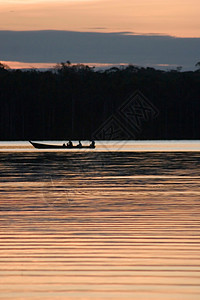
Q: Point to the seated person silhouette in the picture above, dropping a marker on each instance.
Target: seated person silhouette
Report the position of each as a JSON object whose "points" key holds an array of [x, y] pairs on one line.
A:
{"points": [[69, 144], [92, 143], [79, 144]]}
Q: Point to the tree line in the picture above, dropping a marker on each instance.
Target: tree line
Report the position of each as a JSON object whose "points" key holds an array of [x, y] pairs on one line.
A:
{"points": [[79, 102]]}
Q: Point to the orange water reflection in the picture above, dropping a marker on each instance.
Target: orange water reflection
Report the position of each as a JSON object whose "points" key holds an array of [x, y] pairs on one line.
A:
{"points": [[119, 225]]}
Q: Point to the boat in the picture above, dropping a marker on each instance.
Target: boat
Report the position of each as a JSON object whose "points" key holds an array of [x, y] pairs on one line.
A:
{"points": [[64, 146]]}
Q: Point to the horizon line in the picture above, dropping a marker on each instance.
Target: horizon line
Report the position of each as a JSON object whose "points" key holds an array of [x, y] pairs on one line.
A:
{"points": [[22, 65]]}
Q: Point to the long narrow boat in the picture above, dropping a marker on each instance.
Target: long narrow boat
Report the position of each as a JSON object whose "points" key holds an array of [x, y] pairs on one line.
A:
{"points": [[47, 146]]}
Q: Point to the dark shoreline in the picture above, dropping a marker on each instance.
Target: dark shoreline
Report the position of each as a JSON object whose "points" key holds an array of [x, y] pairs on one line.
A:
{"points": [[77, 102]]}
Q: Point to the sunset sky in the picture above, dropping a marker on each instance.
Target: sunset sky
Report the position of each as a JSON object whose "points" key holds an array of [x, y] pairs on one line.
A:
{"points": [[177, 18]]}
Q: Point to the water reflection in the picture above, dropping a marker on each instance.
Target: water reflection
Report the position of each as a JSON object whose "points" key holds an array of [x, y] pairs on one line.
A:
{"points": [[117, 225]]}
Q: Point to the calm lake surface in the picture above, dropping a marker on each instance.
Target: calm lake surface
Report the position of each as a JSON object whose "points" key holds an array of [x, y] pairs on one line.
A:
{"points": [[118, 222]]}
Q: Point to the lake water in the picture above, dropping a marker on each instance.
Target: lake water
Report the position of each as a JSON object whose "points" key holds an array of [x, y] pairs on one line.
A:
{"points": [[118, 222]]}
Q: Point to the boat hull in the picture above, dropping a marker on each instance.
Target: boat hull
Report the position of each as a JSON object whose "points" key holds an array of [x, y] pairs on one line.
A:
{"points": [[47, 146]]}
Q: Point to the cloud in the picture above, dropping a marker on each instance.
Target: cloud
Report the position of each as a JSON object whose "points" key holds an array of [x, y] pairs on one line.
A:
{"points": [[89, 47], [174, 17], [97, 28]]}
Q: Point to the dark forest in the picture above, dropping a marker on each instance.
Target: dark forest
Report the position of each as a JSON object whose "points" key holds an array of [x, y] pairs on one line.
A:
{"points": [[79, 102]]}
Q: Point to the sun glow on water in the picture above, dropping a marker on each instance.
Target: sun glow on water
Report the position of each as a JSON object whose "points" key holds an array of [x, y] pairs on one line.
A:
{"points": [[99, 226]]}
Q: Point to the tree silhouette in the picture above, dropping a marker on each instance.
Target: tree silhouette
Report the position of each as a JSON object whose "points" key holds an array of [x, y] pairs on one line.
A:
{"points": [[75, 100], [4, 66], [198, 65]]}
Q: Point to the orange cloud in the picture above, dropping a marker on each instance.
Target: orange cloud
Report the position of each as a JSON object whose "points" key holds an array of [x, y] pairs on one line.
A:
{"points": [[26, 65]]}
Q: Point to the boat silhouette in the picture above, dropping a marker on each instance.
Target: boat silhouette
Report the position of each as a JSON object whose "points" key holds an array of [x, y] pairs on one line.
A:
{"points": [[64, 146]]}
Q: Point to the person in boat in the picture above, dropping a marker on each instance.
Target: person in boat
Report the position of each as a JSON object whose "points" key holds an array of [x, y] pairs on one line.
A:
{"points": [[79, 144], [92, 143], [70, 144]]}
